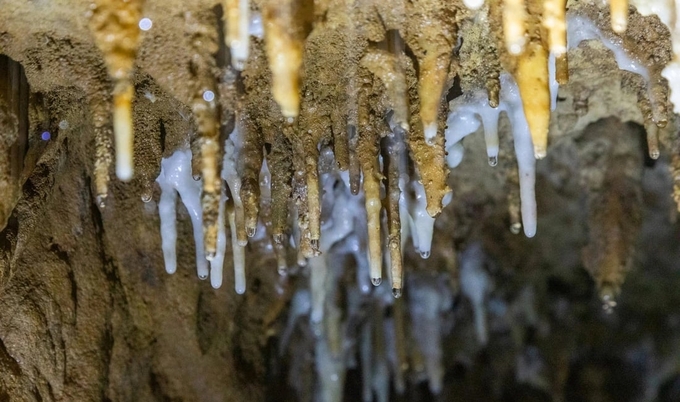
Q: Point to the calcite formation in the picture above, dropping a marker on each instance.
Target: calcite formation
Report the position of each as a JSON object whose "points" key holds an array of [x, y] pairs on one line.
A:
{"points": [[328, 130]]}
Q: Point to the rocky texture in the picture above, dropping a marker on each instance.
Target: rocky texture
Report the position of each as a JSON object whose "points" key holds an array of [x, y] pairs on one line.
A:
{"points": [[88, 313]]}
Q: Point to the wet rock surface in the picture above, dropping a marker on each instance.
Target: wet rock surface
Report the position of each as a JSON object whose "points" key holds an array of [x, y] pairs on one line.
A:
{"points": [[87, 311]]}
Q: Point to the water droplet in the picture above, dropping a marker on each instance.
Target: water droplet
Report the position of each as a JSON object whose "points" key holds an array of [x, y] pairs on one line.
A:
{"points": [[607, 294], [46, 136], [63, 125], [101, 201], [493, 160], [515, 228], [425, 254], [654, 154], [376, 281], [208, 96], [250, 231], [243, 243], [396, 293], [282, 270], [146, 197], [145, 24], [202, 277], [210, 255], [196, 177]]}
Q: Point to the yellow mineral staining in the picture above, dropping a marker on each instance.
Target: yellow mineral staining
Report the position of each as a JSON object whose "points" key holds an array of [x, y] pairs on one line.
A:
{"points": [[379, 85], [619, 15], [284, 45], [385, 66], [432, 45], [532, 79], [554, 21], [236, 17], [514, 25], [114, 24], [562, 69]]}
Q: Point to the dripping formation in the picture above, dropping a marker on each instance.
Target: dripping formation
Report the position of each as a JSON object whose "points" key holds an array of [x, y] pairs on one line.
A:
{"points": [[350, 161], [393, 156]]}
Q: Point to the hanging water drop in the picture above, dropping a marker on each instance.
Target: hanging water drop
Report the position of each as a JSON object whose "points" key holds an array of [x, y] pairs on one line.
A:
{"points": [[376, 281], [493, 160]]}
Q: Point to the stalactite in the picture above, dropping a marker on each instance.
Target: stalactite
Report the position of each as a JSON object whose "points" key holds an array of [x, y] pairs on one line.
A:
{"points": [[284, 39], [280, 165], [368, 149], [354, 164], [237, 19], [432, 47], [313, 129], [386, 66], [148, 148], [205, 109], [103, 148], [392, 154], [232, 147], [305, 249], [514, 25], [532, 79], [619, 15], [237, 249], [250, 162], [562, 69], [513, 199], [318, 151], [116, 32], [205, 114], [554, 20]]}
